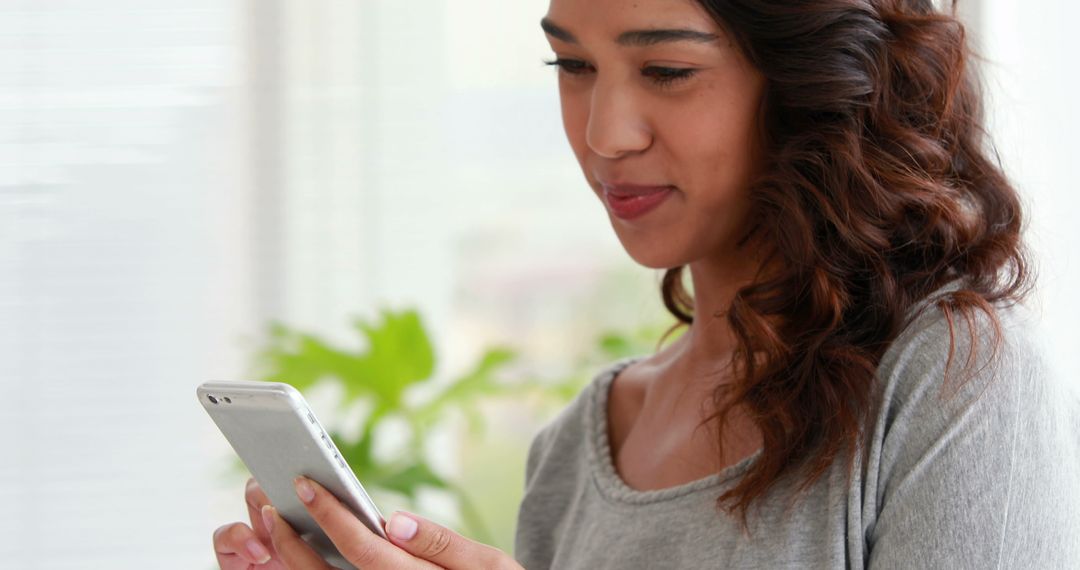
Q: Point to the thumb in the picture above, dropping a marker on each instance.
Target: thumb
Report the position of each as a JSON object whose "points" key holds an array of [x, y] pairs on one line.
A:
{"points": [[425, 539]]}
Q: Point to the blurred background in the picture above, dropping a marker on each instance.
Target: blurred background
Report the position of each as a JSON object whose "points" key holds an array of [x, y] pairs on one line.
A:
{"points": [[178, 176]]}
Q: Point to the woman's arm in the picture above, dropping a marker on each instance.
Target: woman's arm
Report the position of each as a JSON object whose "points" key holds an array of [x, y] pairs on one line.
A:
{"points": [[989, 478]]}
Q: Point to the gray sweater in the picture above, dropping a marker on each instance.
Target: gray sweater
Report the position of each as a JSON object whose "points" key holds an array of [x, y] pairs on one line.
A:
{"points": [[989, 478]]}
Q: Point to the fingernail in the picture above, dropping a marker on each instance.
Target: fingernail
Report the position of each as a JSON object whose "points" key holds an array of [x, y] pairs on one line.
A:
{"points": [[258, 551], [402, 527], [304, 490], [268, 517]]}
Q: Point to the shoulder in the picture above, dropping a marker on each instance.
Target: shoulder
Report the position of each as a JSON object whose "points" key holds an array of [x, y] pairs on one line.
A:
{"points": [[977, 392], [556, 472], [977, 431], [565, 436], [945, 367], [966, 355]]}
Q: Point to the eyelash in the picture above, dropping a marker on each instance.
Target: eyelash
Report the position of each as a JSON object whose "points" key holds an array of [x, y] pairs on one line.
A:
{"points": [[667, 76]]}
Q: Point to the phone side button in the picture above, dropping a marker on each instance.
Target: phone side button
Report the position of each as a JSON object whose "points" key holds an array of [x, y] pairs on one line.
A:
{"points": [[341, 461]]}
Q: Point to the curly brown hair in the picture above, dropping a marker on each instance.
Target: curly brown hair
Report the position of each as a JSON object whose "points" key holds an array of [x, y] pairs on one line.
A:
{"points": [[877, 189]]}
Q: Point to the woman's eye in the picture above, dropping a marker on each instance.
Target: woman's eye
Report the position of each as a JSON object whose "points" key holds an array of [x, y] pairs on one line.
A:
{"points": [[662, 76], [571, 66], [666, 76]]}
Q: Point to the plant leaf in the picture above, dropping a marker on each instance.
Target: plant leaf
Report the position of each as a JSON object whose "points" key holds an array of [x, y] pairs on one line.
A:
{"points": [[399, 355], [409, 479]]}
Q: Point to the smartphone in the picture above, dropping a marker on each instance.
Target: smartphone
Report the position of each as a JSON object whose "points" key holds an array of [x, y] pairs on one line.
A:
{"points": [[276, 435]]}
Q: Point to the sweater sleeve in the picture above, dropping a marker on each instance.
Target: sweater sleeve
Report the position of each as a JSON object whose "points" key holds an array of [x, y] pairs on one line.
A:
{"points": [[981, 471]]}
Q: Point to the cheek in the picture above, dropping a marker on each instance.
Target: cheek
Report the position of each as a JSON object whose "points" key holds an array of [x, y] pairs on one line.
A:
{"points": [[575, 117], [717, 137]]}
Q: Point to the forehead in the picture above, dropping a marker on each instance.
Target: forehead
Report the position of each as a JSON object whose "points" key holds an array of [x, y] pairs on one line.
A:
{"points": [[605, 19]]}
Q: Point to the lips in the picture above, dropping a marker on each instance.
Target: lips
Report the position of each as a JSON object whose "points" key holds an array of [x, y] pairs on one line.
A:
{"points": [[631, 190], [629, 201]]}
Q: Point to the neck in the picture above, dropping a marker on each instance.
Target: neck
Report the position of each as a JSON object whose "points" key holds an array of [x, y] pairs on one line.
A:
{"points": [[706, 347]]}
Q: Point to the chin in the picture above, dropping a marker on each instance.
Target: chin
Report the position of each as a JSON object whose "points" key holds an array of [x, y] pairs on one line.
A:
{"points": [[654, 262], [654, 255]]}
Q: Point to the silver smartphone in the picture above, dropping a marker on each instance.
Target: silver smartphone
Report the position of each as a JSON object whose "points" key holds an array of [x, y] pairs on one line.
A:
{"points": [[275, 433]]}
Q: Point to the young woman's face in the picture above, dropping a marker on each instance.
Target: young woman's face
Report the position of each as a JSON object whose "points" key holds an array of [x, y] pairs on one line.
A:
{"points": [[675, 109]]}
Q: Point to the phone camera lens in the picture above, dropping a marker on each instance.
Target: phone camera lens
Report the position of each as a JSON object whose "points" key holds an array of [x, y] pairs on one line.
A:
{"points": [[212, 399]]}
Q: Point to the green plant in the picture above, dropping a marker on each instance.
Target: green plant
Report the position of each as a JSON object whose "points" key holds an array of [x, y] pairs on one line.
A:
{"points": [[399, 357]]}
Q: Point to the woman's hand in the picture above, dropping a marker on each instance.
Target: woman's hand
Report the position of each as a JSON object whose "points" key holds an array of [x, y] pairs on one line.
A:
{"points": [[239, 546], [415, 542]]}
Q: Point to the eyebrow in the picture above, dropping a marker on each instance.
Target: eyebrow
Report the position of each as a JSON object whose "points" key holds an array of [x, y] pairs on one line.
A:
{"points": [[636, 38]]}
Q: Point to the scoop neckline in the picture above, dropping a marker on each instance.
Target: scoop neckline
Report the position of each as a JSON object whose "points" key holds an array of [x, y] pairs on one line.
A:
{"points": [[608, 480], [612, 486]]}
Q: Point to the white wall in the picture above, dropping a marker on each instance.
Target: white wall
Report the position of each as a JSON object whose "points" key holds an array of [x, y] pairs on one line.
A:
{"points": [[1032, 75], [124, 275]]}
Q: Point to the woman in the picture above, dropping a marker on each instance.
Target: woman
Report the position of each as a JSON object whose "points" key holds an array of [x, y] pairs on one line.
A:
{"points": [[856, 385]]}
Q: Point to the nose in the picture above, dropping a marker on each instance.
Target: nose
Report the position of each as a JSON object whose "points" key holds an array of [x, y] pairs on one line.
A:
{"points": [[617, 125]]}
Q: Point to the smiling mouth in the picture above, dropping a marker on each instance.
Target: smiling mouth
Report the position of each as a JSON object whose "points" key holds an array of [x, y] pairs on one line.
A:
{"points": [[628, 206], [632, 190]]}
